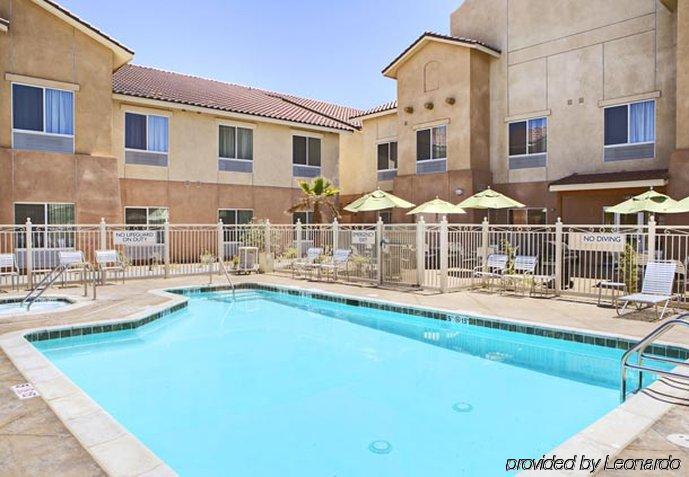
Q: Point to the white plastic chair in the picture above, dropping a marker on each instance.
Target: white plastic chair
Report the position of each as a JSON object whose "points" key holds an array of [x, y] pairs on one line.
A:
{"points": [[496, 264], [8, 268], [109, 260], [656, 288], [338, 262], [307, 263]]}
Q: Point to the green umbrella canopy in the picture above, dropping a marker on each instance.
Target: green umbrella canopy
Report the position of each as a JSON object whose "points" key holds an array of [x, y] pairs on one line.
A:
{"points": [[436, 206], [489, 199], [649, 201], [377, 200]]}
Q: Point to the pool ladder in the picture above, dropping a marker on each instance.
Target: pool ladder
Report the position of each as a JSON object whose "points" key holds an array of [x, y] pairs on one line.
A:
{"points": [[227, 275], [45, 283], [639, 350]]}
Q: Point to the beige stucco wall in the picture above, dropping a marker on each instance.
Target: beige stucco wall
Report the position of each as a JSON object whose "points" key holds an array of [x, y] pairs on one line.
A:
{"points": [[583, 52], [193, 149], [359, 154], [683, 74], [40, 45]]}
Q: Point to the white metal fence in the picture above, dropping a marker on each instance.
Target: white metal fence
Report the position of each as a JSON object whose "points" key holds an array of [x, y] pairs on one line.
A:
{"points": [[572, 260]]}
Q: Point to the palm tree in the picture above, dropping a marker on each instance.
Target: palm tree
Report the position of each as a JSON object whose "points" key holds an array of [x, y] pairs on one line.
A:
{"points": [[318, 194]]}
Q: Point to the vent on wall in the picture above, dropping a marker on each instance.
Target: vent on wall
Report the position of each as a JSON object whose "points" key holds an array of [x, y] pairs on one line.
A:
{"points": [[234, 165], [628, 152], [527, 162], [431, 167], [145, 158], [388, 175], [305, 171], [42, 142]]}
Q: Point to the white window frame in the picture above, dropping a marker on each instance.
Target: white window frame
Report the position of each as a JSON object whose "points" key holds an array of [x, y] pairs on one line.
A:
{"points": [[629, 124], [543, 210], [309, 216], [148, 115], [45, 225], [387, 141], [640, 218], [307, 137], [147, 207], [430, 152], [236, 127], [528, 154], [44, 133], [235, 210]]}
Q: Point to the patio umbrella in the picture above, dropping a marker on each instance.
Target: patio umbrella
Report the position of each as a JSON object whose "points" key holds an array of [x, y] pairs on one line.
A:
{"points": [[489, 199], [649, 201], [377, 200], [436, 206]]}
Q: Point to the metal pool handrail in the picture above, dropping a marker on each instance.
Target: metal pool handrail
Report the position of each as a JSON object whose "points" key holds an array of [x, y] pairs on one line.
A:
{"points": [[227, 275], [640, 348]]}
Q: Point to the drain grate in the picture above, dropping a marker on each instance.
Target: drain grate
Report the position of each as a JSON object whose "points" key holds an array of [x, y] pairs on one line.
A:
{"points": [[380, 447], [24, 391], [462, 407], [681, 440]]}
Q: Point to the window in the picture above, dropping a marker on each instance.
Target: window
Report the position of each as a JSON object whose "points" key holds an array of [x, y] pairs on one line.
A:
{"points": [[528, 137], [527, 216], [235, 216], [387, 156], [42, 118], [385, 216], [630, 124], [146, 132], [306, 151], [149, 218], [235, 149], [145, 215], [611, 218], [431, 150], [304, 217], [431, 144], [51, 224], [306, 156]]}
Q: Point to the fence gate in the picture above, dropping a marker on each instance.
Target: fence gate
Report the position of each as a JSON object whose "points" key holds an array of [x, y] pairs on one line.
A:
{"points": [[398, 255]]}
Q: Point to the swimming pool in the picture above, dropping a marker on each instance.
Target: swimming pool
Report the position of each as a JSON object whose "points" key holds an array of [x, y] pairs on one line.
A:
{"points": [[280, 384]]}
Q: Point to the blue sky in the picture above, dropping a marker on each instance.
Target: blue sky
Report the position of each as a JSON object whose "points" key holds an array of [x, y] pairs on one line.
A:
{"points": [[332, 50]]}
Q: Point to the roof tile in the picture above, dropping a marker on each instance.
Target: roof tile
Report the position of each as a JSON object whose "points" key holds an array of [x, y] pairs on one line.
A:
{"points": [[151, 83]]}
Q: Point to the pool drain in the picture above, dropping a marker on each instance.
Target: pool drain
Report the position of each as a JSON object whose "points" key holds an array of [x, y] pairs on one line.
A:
{"points": [[380, 447], [462, 406], [681, 440]]}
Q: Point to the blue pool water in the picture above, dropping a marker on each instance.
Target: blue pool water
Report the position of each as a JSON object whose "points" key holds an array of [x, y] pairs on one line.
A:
{"points": [[275, 384]]}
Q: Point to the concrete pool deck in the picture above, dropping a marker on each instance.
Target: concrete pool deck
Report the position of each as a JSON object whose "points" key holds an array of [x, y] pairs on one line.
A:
{"points": [[26, 425]]}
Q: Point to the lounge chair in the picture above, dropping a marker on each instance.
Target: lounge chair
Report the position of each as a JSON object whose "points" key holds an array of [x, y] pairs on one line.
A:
{"points": [[74, 263], [524, 268], [109, 260], [493, 270], [8, 268], [307, 263], [338, 262], [656, 288]]}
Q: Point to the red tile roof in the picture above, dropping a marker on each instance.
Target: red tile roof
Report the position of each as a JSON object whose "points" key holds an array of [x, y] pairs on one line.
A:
{"points": [[381, 108], [624, 176], [151, 83]]}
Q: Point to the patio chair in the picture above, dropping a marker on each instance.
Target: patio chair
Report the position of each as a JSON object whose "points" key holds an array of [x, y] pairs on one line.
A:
{"points": [[8, 268], [338, 262], [248, 260], [307, 263], [73, 262], [109, 260], [656, 288], [493, 270], [524, 269]]}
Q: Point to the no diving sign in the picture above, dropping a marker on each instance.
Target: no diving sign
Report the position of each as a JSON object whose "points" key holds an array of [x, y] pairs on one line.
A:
{"points": [[601, 242]]}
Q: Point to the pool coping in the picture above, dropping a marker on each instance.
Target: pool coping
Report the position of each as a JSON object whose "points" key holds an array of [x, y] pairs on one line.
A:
{"points": [[107, 441]]}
